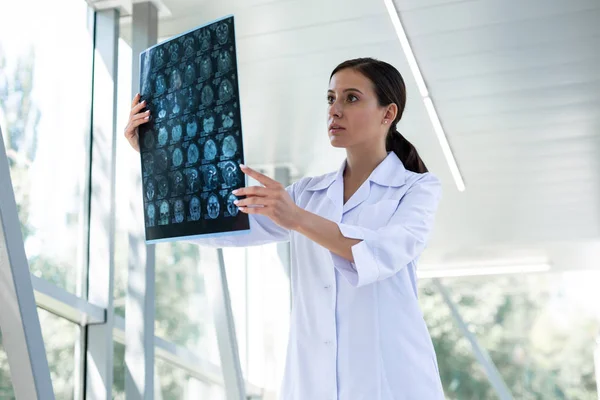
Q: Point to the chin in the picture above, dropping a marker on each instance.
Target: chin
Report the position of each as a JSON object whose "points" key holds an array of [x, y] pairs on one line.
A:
{"points": [[337, 142]]}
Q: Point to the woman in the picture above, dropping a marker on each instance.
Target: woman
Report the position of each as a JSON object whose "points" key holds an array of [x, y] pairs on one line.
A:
{"points": [[356, 234]]}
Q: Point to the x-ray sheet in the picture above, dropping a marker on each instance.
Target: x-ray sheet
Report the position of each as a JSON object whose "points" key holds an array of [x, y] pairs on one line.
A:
{"points": [[191, 148]]}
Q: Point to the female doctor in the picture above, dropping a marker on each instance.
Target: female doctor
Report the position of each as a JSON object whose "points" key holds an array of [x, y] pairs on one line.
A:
{"points": [[357, 332]]}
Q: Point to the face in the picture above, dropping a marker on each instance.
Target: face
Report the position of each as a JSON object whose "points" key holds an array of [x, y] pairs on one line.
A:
{"points": [[354, 115]]}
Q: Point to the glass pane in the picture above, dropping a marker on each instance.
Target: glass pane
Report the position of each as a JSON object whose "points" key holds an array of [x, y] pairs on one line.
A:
{"points": [[183, 312], [539, 329], [128, 166], [6, 389], [118, 390], [45, 117], [176, 384], [61, 338], [462, 376], [268, 317]]}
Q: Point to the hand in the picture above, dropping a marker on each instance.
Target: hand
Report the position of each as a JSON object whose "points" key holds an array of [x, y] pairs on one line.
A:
{"points": [[272, 200], [136, 118]]}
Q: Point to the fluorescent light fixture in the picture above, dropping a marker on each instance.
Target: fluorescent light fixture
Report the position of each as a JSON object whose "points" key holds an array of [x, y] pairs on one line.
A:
{"points": [[481, 271], [433, 116]]}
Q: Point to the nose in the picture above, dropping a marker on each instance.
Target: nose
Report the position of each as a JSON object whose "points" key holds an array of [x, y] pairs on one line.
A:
{"points": [[335, 110]]}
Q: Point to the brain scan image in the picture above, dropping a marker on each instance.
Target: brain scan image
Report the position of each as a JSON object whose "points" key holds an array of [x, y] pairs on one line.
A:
{"points": [[210, 150], [160, 161], [150, 191], [149, 139], [189, 47], [174, 52], [193, 154], [204, 39], [163, 135], [195, 209], [162, 186], [151, 214], [159, 57], [193, 181], [225, 90], [210, 177], [176, 133], [175, 80], [190, 74], [213, 207], [205, 68], [229, 146], [227, 118], [148, 162], [232, 208], [164, 213], [191, 128], [222, 33], [177, 183], [177, 157], [160, 85], [162, 108], [179, 211], [176, 109], [229, 172], [207, 95], [224, 61], [190, 103], [208, 124]]}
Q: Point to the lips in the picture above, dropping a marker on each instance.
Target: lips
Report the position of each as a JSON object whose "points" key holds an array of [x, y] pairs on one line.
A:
{"points": [[336, 128]]}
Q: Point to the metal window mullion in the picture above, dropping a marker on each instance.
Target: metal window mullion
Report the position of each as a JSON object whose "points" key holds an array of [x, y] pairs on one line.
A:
{"points": [[19, 321], [139, 307], [99, 344]]}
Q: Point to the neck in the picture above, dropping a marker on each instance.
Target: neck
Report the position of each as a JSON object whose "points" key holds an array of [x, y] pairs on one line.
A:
{"points": [[361, 161]]}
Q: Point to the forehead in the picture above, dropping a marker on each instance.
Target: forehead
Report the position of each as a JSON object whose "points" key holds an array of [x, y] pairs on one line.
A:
{"points": [[349, 78]]}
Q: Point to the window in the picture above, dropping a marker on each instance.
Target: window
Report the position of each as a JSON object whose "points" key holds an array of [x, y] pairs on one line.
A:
{"points": [[6, 388], [539, 329], [45, 108]]}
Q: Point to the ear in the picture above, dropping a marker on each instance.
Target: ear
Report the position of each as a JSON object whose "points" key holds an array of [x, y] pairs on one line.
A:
{"points": [[391, 112]]}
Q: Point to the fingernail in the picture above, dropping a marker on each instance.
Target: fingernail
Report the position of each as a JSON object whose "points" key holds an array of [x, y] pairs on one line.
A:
{"points": [[143, 101], [236, 191], [148, 117], [236, 202], [243, 166]]}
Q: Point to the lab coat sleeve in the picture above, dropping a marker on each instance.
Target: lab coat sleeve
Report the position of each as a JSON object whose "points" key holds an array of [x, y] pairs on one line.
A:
{"points": [[385, 251], [262, 231]]}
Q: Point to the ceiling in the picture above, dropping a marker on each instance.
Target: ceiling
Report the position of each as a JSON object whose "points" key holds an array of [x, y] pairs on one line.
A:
{"points": [[516, 86]]}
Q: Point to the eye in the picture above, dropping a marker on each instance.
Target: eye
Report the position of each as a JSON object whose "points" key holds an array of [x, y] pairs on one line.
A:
{"points": [[352, 98], [330, 99]]}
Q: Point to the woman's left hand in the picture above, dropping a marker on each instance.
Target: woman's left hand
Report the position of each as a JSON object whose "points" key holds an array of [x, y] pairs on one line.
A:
{"points": [[272, 200]]}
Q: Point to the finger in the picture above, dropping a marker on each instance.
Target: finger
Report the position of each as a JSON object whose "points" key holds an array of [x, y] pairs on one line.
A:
{"points": [[139, 122], [254, 210], [140, 115], [255, 201], [136, 109], [253, 191], [135, 100], [265, 180]]}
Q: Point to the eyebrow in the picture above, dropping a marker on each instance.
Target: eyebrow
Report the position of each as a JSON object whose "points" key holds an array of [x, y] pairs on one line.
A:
{"points": [[346, 90]]}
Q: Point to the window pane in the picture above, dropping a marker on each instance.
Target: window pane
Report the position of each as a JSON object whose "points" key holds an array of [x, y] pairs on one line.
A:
{"points": [[128, 167], [6, 389], [462, 376], [539, 329], [176, 384], [45, 118], [118, 390], [61, 338], [183, 312]]}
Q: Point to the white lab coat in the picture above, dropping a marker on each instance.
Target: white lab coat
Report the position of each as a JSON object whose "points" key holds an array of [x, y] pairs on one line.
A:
{"points": [[357, 332]]}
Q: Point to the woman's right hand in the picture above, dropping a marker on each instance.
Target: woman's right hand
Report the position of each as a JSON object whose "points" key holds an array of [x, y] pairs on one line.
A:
{"points": [[136, 118]]}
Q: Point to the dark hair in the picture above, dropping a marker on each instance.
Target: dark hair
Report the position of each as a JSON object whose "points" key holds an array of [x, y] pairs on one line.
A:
{"points": [[389, 88]]}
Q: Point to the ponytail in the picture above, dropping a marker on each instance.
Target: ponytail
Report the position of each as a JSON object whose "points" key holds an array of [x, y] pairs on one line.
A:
{"points": [[406, 152]]}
